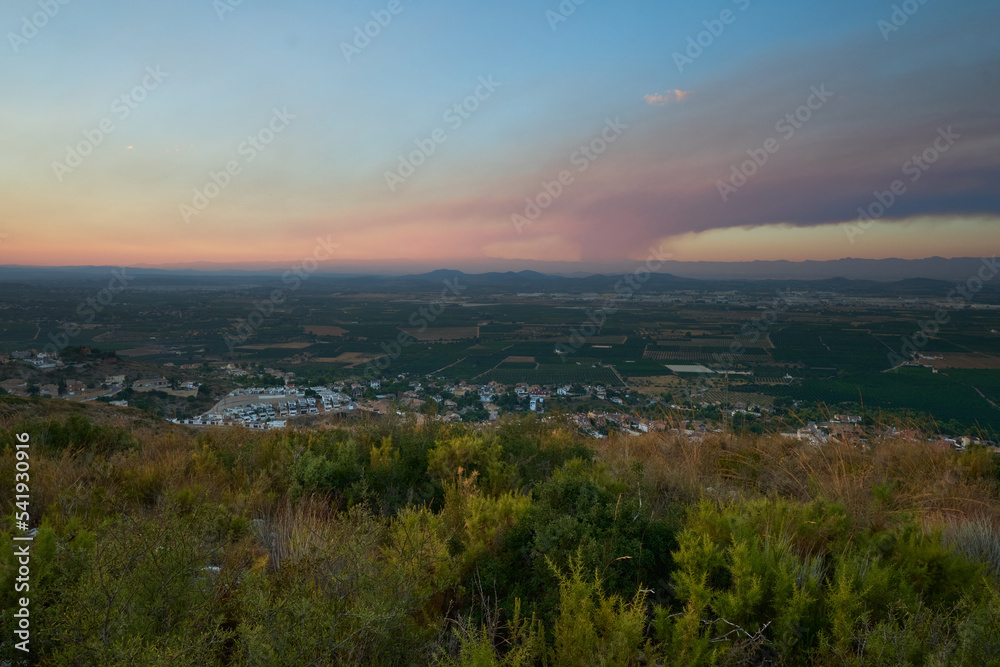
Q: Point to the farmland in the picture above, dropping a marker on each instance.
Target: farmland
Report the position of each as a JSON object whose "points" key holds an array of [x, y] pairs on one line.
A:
{"points": [[827, 350]]}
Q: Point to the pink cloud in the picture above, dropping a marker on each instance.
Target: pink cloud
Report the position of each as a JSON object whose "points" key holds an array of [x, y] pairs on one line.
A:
{"points": [[665, 98]]}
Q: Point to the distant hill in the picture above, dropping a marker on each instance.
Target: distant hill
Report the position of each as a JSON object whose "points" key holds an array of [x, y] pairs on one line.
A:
{"points": [[935, 275]]}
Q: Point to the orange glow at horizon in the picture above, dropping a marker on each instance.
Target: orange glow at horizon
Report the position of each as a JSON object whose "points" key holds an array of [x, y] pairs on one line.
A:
{"points": [[434, 241]]}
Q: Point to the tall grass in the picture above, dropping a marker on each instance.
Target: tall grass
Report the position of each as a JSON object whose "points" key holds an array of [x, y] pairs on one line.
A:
{"points": [[875, 484], [393, 543]]}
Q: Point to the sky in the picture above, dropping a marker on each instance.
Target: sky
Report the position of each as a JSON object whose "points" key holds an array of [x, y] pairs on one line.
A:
{"points": [[463, 134]]}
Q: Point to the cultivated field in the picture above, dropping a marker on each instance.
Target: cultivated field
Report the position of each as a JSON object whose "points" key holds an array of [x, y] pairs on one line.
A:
{"points": [[319, 330], [443, 333]]}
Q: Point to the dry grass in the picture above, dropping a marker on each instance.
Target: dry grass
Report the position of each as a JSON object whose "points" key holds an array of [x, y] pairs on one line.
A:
{"points": [[891, 478], [877, 484], [977, 538]]}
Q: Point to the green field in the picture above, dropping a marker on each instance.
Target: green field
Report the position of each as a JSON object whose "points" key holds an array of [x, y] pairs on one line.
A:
{"points": [[830, 357]]}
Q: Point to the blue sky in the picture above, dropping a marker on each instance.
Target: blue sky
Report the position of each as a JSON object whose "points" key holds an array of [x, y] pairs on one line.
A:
{"points": [[326, 174]]}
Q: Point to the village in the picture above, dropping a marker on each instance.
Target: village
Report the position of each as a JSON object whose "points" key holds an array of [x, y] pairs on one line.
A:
{"points": [[595, 410], [89, 389]]}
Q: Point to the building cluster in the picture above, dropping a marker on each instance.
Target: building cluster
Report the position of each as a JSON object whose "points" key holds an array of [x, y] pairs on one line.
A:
{"points": [[70, 390], [151, 384], [39, 360], [597, 423], [183, 389], [848, 428], [271, 407], [15, 386]]}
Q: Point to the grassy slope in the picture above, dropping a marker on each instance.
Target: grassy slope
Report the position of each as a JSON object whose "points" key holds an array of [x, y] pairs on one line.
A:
{"points": [[388, 543]]}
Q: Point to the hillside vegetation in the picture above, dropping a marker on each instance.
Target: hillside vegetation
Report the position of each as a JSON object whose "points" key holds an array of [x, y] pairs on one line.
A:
{"points": [[389, 543]]}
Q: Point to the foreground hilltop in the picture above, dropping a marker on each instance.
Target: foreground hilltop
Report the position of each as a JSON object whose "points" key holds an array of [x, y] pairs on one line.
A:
{"points": [[388, 542]]}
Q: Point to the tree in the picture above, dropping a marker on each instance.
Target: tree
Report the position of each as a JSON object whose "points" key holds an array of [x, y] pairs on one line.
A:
{"points": [[479, 415], [507, 401]]}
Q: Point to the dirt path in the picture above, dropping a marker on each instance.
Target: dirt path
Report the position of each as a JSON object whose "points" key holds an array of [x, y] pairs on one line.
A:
{"points": [[984, 397], [451, 364]]}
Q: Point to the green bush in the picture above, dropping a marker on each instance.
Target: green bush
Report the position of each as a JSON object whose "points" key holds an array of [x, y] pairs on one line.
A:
{"points": [[581, 513], [797, 580], [389, 543]]}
